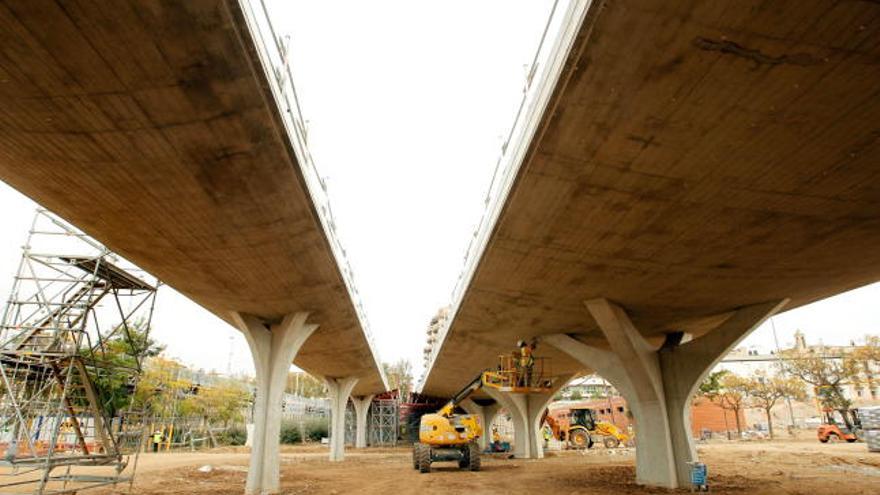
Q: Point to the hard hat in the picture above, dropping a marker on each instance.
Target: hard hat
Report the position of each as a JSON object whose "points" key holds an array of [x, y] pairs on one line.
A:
{"points": [[521, 343]]}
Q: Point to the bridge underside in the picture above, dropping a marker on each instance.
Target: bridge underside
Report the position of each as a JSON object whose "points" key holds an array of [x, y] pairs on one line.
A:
{"points": [[700, 166], [697, 157], [151, 127]]}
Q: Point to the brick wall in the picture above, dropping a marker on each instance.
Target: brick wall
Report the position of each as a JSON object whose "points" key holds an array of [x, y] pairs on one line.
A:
{"points": [[705, 414]]}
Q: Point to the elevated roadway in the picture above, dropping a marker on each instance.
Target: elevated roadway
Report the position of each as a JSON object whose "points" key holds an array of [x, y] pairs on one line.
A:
{"points": [[694, 168], [170, 131]]}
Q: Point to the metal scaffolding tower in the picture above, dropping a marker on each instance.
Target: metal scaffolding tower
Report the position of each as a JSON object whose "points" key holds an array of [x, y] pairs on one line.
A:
{"points": [[72, 336], [384, 423]]}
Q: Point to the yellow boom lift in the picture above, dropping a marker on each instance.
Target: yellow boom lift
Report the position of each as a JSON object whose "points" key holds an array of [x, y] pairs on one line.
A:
{"points": [[447, 436]]}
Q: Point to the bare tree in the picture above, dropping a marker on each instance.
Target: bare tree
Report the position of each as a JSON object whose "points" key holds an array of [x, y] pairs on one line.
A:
{"points": [[732, 396], [868, 357], [764, 392], [399, 376], [871, 350], [827, 372]]}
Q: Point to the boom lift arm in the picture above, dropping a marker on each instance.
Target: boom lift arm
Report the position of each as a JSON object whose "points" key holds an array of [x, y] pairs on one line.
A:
{"points": [[449, 409], [447, 436]]}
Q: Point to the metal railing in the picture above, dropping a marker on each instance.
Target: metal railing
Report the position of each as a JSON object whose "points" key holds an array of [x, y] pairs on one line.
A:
{"points": [[541, 80], [274, 52]]}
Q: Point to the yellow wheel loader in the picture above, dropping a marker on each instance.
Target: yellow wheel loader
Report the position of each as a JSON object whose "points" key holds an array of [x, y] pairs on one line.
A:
{"points": [[583, 425]]}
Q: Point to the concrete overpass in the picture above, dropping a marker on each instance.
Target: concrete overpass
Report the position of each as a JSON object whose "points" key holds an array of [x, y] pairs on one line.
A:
{"points": [[680, 172], [170, 131]]}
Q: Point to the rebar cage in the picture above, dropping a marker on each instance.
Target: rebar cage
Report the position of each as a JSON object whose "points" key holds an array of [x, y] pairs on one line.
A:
{"points": [[72, 337]]}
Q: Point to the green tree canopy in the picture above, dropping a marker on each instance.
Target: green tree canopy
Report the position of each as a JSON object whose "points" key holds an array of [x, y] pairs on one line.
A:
{"points": [[114, 364], [711, 386]]}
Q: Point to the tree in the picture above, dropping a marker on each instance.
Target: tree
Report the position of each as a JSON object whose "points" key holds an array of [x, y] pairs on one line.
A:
{"points": [[827, 373], [399, 376], [161, 388], [304, 385], [732, 396], [711, 386], [221, 403], [764, 392], [576, 395], [870, 352], [116, 361], [868, 358]]}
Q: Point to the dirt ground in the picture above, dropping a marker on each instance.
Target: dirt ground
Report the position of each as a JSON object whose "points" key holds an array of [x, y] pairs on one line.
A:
{"points": [[761, 467]]}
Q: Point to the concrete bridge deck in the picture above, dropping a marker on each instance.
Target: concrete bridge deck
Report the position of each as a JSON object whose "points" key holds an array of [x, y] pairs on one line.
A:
{"points": [[695, 159], [153, 127], [170, 131]]}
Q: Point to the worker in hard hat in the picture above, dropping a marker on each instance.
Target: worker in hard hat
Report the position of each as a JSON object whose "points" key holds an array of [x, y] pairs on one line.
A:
{"points": [[496, 440], [526, 361], [157, 440]]}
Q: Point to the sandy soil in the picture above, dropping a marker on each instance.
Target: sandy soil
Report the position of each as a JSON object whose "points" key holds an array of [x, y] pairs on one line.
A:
{"points": [[801, 467]]}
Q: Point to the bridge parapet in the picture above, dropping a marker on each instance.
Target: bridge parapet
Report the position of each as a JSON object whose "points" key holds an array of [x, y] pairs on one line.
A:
{"points": [[559, 33], [273, 52]]}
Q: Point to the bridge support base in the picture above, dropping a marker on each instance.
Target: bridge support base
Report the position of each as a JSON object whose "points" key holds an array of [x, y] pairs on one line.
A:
{"points": [[273, 349], [339, 390], [526, 411], [487, 417], [658, 383], [361, 409]]}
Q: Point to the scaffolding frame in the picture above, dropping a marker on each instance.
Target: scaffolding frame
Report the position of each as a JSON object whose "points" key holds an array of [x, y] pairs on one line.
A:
{"points": [[71, 302], [384, 426]]}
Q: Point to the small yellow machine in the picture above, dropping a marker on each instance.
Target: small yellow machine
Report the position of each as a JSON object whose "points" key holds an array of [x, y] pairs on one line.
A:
{"points": [[583, 425], [447, 436], [612, 436]]}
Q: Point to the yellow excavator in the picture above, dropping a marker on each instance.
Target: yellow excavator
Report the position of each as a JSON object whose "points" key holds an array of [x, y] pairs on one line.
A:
{"points": [[447, 436]]}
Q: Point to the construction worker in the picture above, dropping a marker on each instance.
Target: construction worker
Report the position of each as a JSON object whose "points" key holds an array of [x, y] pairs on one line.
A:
{"points": [[526, 361], [496, 440], [157, 440]]}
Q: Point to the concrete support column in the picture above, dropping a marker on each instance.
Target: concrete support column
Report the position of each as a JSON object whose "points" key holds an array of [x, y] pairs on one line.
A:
{"points": [[487, 417], [658, 383], [685, 366], [644, 384], [361, 409], [526, 411], [339, 390], [273, 348]]}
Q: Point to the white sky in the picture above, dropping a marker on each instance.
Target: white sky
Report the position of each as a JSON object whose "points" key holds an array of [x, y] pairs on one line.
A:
{"points": [[407, 103]]}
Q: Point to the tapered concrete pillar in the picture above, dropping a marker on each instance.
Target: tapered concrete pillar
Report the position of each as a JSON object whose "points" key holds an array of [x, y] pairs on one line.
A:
{"points": [[685, 366], [658, 383], [339, 390], [526, 411], [361, 409], [273, 348], [486, 414]]}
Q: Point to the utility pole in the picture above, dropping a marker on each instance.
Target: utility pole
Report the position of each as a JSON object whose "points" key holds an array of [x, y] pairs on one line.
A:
{"points": [[782, 370]]}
